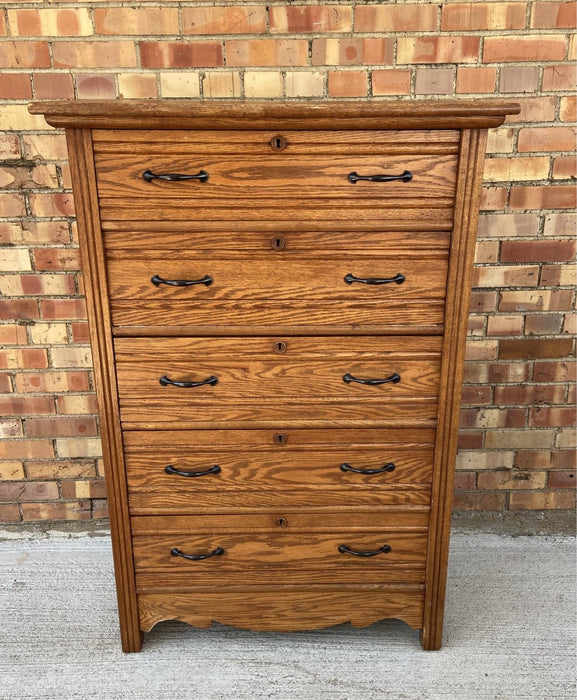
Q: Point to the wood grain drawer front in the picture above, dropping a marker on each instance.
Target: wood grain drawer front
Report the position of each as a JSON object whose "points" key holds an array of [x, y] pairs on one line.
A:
{"points": [[281, 555], [202, 379], [229, 469]]}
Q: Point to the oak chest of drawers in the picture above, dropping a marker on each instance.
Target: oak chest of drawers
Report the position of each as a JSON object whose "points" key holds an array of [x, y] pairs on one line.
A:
{"points": [[278, 300]]}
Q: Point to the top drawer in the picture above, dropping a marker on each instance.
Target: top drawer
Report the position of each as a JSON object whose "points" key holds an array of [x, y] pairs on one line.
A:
{"points": [[235, 176]]}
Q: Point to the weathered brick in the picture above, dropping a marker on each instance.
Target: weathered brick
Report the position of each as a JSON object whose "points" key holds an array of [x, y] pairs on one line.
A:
{"points": [[50, 22], [542, 500], [470, 440], [568, 109], [135, 86], [566, 438], [465, 481], [471, 16], [23, 358], [64, 356], [34, 382], [37, 285], [486, 252], [565, 168], [508, 225], [67, 469], [46, 147], [9, 513], [9, 145], [504, 325], [538, 251], [476, 395], [535, 348], [543, 324], [15, 259], [46, 259], [553, 15], [561, 371], [347, 83], [559, 77], [95, 54], [15, 86], [74, 510], [483, 301], [481, 460], [493, 418], [49, 333], [561, 138], [513, 49], [438, 49], [306, 19], [99, 509], [519, 79], [80, 333], [543, 197], [409, 17], [266, 52], [478, 79], [50, 86], [535, 109], [497, 372], [95, 86], [478, 501], [19, 309], [493, 198], [516, 168], [180, 84], [10, 428], [394, 81], [512, 480], [60, 426], [560, 225], [76, 404], [79, 447], [304, 84], [481, 350], [62, 309], [506, 276], [11, 471], [46, 205], [84, 489], [434, 81], [562, 480], [476, 325], [263, 84], [26, 449], [12, 204], [28, 491], [352, 52], [545, 417], [13, 334], [540, 300], [515, 439], [26, 175], [141, 21], [24, 54], [221, 84]]}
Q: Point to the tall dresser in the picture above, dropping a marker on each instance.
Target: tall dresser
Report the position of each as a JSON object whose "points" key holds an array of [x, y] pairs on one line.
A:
{"points": [[278, 298]]}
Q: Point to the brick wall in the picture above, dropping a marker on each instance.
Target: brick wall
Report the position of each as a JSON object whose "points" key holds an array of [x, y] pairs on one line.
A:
{"points": [[516, 434]]}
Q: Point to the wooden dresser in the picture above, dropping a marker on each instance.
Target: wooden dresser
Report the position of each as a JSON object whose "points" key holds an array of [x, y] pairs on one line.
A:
{"points": [[278, 298]]}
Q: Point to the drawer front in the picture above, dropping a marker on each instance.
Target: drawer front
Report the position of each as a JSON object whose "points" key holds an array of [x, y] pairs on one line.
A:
{"points": [[169, 471], [226, 379]]}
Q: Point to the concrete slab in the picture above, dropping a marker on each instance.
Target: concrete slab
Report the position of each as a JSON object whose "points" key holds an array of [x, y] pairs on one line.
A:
{"points": [[509, 633]]}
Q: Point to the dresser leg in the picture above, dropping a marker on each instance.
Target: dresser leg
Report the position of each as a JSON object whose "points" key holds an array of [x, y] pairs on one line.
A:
{"points": [[133, 644], [431, 639]]}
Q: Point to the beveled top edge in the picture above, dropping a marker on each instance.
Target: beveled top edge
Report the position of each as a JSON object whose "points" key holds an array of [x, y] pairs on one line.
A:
{"points": [[248, 114]]}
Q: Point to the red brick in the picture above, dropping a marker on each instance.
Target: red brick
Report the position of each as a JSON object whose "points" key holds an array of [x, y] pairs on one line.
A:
{"points": [[80, 333], [493, 198], [554, 15], [504, 325], [13, 334], [508, 225], [37, 285], [50, 86], [48, 205], [545, 500], [434, 81], [24, 54], [465, 481], [562, 371], [352, 52], [173, 54], [513, 49], [496, 372], [543, 324], [537, 251], [506, 276], [99, 509], [23, 358], [347, 83], [478, 501], [96, 54], [391, 82], [568, 109], [53, 469], [95, 86], [562, 480], [543, 197], [303, 20], [56, 259], [52, 381], [561, 138], [60, 426], [559, 77], [557, 225], [20, 309], [483, 301], [3, 28], [493, 418], [74, 510], [143, 21], [471, 16], [511, 480], [26, 449], [12, 204], [15, 86], [56, 309], [534, 109], [26, 405], [470, 440], [539, 300], [438, 49], [535, 348], [5, 383], [519, 79], [476, 79], [28, 491], [409, 17], [544, 417], [50, 22], [565, 168], [527, 394], [84, 489], [476, 395], [9, 513]]}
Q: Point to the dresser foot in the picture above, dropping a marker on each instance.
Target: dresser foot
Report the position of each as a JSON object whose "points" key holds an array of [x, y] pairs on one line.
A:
{"points": [[431, 640], [130, 646]]}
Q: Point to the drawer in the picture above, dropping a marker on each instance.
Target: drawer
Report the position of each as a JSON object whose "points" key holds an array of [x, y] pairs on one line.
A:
{"points": [[180, 471], [286, 552], [198, 381]]}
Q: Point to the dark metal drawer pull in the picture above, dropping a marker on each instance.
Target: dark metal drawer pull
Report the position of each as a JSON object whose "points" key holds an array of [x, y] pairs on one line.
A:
{"points": [[350, 278], [215, 469], [405, 177], [343, 549], [165, 381], [394, 379], [156, 280], [390, 467], [149, 176], [218, 552]]}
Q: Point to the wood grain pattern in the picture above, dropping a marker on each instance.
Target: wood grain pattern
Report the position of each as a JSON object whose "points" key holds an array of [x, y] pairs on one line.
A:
{"points": [[288, 610]]}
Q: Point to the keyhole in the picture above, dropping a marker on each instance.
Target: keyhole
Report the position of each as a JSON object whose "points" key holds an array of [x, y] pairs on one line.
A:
{"points": [[277, 242], [280, 438], [279, 347], [278, 143], [281, 522]]}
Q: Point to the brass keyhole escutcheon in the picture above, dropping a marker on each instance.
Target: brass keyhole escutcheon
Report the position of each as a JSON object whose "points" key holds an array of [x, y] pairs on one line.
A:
{"points": [[279, 346], [278, 143], [281, 522], [280, 438], [277, 242]]}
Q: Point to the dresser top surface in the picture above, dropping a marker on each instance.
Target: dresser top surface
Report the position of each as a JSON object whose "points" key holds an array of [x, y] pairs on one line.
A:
{"points": [[241, 114]]}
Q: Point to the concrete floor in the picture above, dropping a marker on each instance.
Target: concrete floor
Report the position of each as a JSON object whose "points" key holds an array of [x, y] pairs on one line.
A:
{"points": [[509, 633]]}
